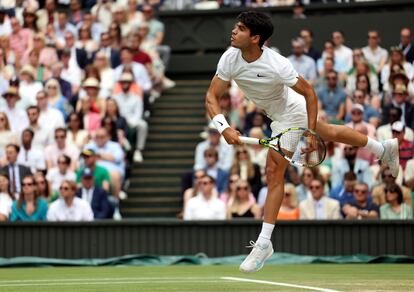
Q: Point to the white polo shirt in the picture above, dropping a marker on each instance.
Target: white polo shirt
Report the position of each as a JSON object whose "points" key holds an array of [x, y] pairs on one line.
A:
{"points": [[79, 211], [198, 208], [265, 81]]}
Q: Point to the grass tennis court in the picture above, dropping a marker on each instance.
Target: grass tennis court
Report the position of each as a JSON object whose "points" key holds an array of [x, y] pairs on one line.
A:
{"points": [[314, 277]]}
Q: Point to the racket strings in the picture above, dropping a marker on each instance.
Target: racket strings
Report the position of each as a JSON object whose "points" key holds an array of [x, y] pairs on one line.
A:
{"points": [[296, 142]]}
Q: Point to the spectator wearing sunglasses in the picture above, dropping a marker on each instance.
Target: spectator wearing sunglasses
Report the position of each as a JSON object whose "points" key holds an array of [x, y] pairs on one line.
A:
{"points": [[362, 207], [206, 205], [69, 207], [395, 208], [319, 206], [57, 175], [29, 207], [379, 191], [289, 209], [240, 205]]}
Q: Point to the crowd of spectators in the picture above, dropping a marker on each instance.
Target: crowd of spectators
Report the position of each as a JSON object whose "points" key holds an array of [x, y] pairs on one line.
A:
{"points": [[76, 87], [369, 89]]}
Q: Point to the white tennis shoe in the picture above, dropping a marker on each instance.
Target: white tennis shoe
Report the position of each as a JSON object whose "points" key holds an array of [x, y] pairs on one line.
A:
{"points": [[391, 156], [255, 260]]}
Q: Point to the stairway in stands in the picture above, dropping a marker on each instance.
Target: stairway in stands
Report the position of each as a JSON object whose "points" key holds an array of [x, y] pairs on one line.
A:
{"points": [[175, 124]]}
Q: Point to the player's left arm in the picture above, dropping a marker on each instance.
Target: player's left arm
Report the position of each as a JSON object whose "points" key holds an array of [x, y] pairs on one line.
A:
{"points": [[304, 88]]}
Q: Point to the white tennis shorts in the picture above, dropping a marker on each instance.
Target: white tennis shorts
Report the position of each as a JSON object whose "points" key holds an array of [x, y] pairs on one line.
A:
{"points": [[292, 117]]}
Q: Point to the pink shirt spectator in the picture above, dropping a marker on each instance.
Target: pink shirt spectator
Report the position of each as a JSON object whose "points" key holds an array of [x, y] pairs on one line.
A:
{"points": [[19, 42], [92, 122], [47, 57], [52, 152]]}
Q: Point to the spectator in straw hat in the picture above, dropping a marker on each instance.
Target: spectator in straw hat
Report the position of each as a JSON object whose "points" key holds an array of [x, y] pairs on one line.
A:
{"points": [[92, 88], [28, 87], [17, 117]]}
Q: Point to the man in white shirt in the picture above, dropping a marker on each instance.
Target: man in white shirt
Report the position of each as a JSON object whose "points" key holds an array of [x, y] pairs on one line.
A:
{"points": [[49, 118], [206, 205], [61, 146], [225, 151], [29, 156], [139, 71], [131, 107], [69, 207], [342, 52], [42, 136], [374, 54], [303, 64], [71, 71], [5, 26], [18, 119], [319, 206], [57, 175], [273, 85]]}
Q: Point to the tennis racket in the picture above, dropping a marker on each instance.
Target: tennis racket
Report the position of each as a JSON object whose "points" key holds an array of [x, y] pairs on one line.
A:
{"points": [[294, 140]]}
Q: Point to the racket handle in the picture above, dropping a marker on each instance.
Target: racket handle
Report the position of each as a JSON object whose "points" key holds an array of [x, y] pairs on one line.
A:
{"points": [[249, 140]]}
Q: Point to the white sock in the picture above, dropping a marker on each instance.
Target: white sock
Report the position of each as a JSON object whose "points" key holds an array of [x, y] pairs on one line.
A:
{"points": [[265, 234], [375, 147]]}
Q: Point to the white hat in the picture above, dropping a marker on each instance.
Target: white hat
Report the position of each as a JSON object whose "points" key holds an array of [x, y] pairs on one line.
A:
{"points": [[91, 82], [28, 69], [126, 77], [358, 107], [397, 126]]}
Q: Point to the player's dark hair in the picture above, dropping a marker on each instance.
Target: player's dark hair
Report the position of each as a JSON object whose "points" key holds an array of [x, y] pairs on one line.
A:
{"points": [[259, 24]]}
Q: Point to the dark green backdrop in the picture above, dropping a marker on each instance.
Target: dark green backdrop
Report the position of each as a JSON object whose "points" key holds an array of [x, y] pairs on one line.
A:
{"points": [[198, 38]]}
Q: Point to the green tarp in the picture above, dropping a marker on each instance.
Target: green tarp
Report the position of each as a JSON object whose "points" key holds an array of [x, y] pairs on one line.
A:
{"points": [[150, 260]]}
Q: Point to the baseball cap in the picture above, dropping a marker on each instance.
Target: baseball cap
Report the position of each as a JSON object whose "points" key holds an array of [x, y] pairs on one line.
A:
{"points": [[358, 107], [87, 172], [397, 126], [88, 152]]}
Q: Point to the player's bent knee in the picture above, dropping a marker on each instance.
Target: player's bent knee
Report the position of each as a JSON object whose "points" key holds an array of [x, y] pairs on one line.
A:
{"points": [[275, 173]]}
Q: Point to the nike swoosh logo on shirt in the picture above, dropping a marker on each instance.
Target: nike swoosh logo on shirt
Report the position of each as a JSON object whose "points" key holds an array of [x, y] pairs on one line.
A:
{"points": [[259, 75]]}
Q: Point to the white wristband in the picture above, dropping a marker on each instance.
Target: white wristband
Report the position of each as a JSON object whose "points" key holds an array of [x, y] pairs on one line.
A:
{"points": [[220, 123]]}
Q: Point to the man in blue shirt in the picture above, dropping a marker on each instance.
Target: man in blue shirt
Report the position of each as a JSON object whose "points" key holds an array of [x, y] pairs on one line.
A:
{"points": [[332, 98], [302, 63], [344, 192]]}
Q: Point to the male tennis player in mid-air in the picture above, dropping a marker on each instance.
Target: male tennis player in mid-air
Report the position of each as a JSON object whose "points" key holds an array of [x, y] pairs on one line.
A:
{"points": [[270, 81]]}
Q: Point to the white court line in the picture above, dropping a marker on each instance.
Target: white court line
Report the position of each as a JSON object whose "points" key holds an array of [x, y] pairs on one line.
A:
{"points": [[279, 284], [108, 283], [106, 279]]}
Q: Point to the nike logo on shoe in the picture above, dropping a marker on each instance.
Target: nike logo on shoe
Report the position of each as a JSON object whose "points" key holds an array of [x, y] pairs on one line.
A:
{"points": [[259, 75]]}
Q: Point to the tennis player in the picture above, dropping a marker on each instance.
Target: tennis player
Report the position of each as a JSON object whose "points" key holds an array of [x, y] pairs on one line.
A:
{"points": [[270, 81]]}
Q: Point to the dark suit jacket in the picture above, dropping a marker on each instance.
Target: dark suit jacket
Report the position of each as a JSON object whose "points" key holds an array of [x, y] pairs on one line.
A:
{"points": [[409, 114], [101, 207], [410, 54], [82, 58], [115, 58], [23, 171], [65, 88]]}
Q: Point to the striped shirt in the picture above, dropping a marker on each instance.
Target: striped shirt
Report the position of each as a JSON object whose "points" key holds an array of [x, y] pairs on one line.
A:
{"points": [[406, 152]]}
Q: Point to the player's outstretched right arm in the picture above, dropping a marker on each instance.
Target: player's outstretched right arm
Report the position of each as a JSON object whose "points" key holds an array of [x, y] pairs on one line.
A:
{"points": [[217, 89]]}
